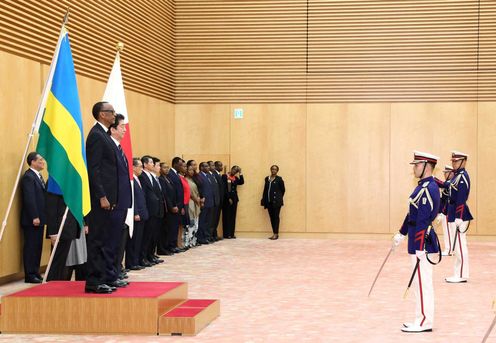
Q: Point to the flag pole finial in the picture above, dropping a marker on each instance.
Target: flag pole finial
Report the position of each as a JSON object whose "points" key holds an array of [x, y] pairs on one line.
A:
{"points": [[66, 17], [119, 47]]}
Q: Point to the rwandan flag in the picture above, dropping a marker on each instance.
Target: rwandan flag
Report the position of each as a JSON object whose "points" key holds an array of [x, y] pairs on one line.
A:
{"points": [[61, 138]]}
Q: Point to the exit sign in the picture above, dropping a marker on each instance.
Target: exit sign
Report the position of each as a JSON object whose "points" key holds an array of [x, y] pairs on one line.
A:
{"points": [[238, 113]]}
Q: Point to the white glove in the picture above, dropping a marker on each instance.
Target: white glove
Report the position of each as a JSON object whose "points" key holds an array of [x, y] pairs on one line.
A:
{"points": [[458, 222], [420, 254], [397, 239], [439, 219]]}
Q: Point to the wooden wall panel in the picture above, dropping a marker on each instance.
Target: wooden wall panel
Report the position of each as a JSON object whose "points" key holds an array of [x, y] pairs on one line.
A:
{"points": [[267, 135], [202, 129], [322, 51], [486, 187], [438, 128], [30, 29], [348, 168]]}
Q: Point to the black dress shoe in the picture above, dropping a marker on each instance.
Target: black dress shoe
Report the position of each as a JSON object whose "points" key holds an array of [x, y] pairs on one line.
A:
{"points": [[125, 270], [33, 280], [138, 267], [117, 283], [159, 260], [100, 289], [145, 263], [233, 237]]}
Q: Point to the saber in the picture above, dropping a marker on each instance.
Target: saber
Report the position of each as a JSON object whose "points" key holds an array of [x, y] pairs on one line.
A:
{"points": [[411, 279], [489, 330], [380, 269]]}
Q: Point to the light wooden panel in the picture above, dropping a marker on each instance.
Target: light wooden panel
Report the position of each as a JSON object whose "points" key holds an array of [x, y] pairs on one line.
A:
{"points": [[348, 168], [232, 51], [486, 199], [267, 135], [438, 128], [202, 129], [30, 29], [18, 99]]}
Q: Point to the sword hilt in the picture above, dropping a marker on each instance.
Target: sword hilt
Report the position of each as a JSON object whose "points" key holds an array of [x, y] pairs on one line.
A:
{"points": [[406, 293]]}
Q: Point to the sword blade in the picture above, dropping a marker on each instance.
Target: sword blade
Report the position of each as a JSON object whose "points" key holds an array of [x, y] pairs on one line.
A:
{"points": [[489, 330], [380, 269]]}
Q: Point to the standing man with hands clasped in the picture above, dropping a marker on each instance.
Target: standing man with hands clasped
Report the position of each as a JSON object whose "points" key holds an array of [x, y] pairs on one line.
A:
{"points": [[424, 205], [33, 216]]}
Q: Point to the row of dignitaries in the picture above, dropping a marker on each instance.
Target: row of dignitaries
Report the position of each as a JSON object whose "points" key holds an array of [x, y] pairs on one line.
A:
{"points": [[178, 198]]}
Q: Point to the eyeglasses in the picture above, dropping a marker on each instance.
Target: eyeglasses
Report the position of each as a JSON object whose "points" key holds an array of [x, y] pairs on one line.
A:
{"points": [[109, 111]]}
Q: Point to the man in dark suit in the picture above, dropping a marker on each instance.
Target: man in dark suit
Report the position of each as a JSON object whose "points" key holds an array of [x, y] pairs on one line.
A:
{"points": [[156, 210], [103, 179], [178, 202], [169, 195], [218, 196], [119, 231], [33, 216], [218, 168], [133, 246], [205, 219], [55, 209]]}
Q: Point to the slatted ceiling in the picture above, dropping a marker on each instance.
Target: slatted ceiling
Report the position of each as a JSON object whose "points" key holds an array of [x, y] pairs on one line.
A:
{"points": [[29, 28], [232, 51], [378, 50]]}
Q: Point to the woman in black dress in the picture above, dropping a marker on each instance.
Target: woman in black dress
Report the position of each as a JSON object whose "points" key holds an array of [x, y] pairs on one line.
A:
{"points": [[272, 198]]}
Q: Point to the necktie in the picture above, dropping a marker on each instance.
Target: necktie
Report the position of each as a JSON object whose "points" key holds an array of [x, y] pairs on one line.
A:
{"points": [[122, 154], [42, 181]]}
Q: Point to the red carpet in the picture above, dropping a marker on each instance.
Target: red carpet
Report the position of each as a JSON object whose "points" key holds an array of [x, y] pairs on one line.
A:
{"points": [[76, 289], [197, 303], [187, 312]]}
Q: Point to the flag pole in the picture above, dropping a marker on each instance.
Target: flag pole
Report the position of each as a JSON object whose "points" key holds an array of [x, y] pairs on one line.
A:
{"points": [[36, 122], [56, 244]]}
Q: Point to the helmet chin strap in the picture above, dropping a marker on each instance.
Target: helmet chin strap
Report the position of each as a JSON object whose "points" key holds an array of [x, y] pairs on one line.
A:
{"points": [[423, 170]]}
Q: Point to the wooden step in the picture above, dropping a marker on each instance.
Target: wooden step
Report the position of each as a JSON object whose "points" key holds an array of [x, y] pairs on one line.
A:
{"points": [[190, 317]]}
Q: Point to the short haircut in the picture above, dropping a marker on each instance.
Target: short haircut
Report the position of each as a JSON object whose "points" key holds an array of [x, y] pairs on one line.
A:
{"points": [[210, 162], [202, 164], [155, 160], [190, 162], [135, 161], [217, 163], [274, 165], [118, 118], [176, 160], [32, 156], [97, 108], [145, 159], [163, 164]]}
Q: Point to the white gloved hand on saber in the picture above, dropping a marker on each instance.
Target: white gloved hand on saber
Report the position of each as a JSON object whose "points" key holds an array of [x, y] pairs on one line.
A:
{"points": [[397, 239], [420, 254]]}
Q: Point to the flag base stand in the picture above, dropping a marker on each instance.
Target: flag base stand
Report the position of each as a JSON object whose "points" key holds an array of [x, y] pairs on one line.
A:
{"points": [[149, 308]]}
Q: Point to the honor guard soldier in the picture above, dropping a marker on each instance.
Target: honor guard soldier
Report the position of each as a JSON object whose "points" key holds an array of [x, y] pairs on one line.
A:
{"points": [[459, 216], [423, 209], [442, 217]]}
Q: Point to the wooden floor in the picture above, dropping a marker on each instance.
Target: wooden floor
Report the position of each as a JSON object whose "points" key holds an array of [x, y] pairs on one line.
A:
{"points": [[297, 290]]}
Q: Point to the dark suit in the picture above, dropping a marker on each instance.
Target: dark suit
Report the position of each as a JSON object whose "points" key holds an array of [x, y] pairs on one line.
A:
{"points": [[272, 200], [33, 206], [205, 220], [218, 208], [103, 179], [55, 209], [133, 246], [229, 210], [156, 209], [119, 231], [174, 219], [169, 194]]}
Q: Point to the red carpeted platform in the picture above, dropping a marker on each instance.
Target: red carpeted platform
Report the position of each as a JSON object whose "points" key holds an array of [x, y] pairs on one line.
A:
{"points": [[63, 307]]}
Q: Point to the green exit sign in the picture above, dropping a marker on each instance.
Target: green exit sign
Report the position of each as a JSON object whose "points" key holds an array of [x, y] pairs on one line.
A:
{"points": [[238, 113]]}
